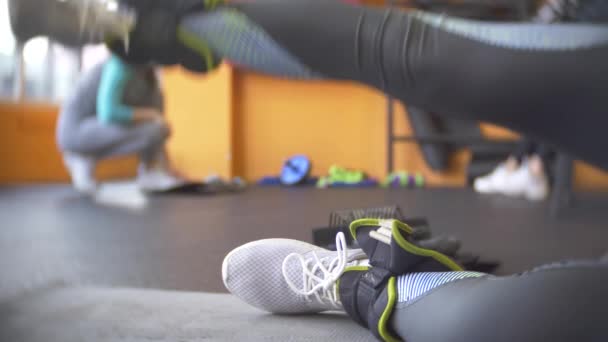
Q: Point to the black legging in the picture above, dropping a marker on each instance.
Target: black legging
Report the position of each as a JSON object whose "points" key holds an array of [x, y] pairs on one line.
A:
{"points": [[545, 81], [527, 148]]}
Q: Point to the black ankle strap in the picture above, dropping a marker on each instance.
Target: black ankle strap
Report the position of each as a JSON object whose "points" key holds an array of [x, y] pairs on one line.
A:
{"points": [[400, 255], [364, 296]]}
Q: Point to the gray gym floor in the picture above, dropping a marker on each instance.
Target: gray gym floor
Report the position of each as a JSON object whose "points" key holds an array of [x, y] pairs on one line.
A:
{"points": [[50, 234]]}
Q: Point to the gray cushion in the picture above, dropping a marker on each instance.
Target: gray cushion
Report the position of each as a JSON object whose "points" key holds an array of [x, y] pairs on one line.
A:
{"points": [[66, 314]]}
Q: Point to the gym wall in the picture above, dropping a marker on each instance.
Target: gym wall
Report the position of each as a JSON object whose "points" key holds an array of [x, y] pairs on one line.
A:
{"points": [[200, 109], [28, 152], [331, 122], [240, 123]]}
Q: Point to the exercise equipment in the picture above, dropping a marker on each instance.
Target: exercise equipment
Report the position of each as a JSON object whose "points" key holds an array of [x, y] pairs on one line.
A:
{"points": [[407, 287], [340, 177], [404, 179], [187, 188], [210, 186], [295, 170], [340, 221]]}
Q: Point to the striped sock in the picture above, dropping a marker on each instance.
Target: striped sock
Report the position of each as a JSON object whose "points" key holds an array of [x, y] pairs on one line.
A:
{"points": [[413, 285]]}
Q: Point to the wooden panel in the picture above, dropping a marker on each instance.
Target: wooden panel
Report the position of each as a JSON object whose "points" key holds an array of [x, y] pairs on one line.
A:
{"points": [[28, 152], [409, 157], [199, 108], [331, 122]]}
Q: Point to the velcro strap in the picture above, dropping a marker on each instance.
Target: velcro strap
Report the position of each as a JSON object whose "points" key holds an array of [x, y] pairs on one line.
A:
{"points": [[359, 289], [348, 290]]}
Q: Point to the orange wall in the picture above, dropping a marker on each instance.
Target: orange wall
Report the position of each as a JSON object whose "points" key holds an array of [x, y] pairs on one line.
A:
{"points": [[331, 122], [340, 123], [239, 123], [277, 118]]}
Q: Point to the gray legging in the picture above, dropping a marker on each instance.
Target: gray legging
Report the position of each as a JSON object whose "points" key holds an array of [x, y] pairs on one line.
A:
{"points": [[545, 81], [561, 302], [79, 130]]}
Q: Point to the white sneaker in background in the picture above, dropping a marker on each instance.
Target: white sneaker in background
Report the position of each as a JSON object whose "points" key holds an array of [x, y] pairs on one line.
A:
{"points": [[157, 180], [82, 172], [523, 183], [493, 182], [123, 195]]}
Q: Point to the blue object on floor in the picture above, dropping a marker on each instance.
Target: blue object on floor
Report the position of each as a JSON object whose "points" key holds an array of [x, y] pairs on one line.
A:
{"points": [[276, 181], [295, 170], [269, 180]]}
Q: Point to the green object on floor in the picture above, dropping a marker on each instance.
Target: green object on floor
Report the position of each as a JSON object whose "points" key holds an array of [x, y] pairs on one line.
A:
{"points": [[419, 180], [342, 175], [323, 182], [401, 176], [404, 179], [338, 174]]}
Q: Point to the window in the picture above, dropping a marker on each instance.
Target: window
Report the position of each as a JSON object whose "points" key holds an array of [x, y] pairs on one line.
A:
{"points": [[8, 55], [40, 69], [65, 65], [50, 70], [35, 55], [93, 55]]}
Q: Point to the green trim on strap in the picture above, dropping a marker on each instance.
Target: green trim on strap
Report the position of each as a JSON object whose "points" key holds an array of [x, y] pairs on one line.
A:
{"points": [[356, 268], [193, 42], [372, 222], [397, 227], [408, 246], [391, 291]]}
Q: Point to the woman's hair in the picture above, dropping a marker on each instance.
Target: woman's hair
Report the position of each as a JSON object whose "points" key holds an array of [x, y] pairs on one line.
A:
{"points": [[145, 71], [149, 74]]}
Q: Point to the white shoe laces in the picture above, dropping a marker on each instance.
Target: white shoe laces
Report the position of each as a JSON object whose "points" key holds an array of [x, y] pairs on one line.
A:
{"points": [[322, 287]]}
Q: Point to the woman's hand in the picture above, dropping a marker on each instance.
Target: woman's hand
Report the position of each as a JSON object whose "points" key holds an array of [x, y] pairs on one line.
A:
{"points": [[147, 114]]}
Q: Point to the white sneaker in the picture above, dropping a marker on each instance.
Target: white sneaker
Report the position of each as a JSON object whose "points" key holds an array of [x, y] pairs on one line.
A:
{"points": [[157, 180], [493, 182], [288, 276], [82, 172], [522, 183]]}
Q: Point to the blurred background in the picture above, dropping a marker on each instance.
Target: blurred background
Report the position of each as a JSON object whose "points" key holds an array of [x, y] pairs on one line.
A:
{"points": [[267, 157], [238, 123]]}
